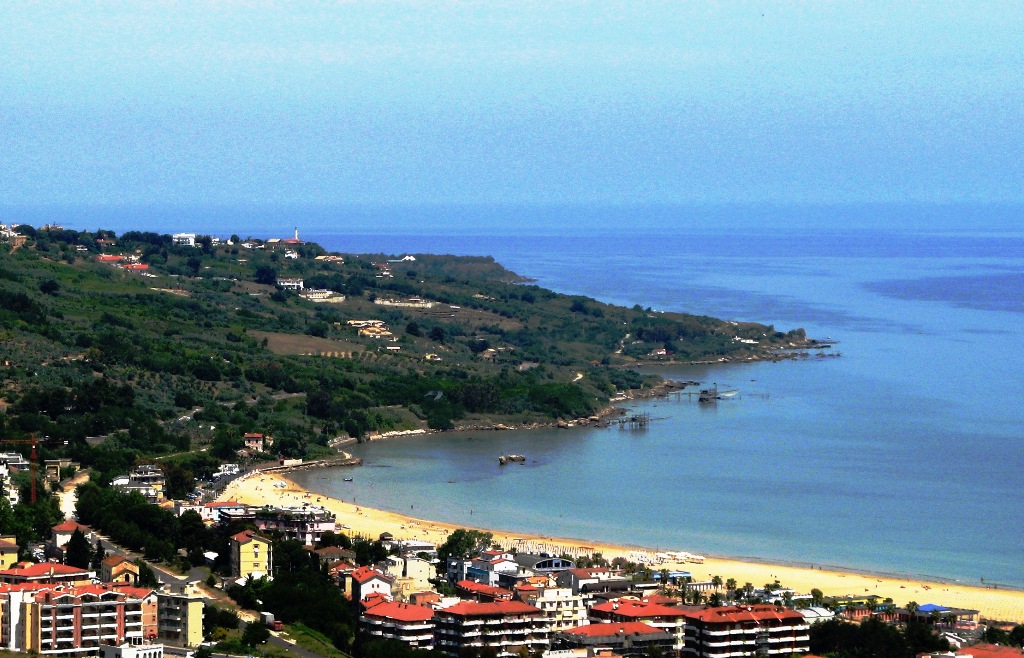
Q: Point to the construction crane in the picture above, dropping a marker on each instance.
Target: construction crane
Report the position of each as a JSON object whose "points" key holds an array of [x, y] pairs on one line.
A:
{"points": [[33, 467]]}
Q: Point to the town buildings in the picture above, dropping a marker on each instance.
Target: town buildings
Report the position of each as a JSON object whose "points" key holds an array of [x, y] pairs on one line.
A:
{"points": [[670, 619], [306, 524], [146, 479]]}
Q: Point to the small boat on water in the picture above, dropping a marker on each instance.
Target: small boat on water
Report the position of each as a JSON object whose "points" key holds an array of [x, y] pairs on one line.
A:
{"points": [[348, 479], [508, 459]]}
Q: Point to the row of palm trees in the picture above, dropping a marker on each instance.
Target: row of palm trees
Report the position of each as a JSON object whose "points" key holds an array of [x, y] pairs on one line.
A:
{"points": [[729, 591]]}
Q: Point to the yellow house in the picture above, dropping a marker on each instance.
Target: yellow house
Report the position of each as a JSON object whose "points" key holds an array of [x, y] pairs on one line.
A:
{"points": [[251, 555], [180, 616], [8, 551]]}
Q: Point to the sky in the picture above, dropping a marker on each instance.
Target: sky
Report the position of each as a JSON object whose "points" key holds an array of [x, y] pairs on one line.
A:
{"points": [[404, 103]]}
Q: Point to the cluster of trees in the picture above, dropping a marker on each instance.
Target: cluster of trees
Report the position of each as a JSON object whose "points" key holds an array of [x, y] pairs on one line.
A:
{"points": [[132, 522], [29, 522], [875, 638]]}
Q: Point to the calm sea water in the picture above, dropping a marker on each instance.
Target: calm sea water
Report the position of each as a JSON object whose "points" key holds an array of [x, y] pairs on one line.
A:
{"points": [[906, 455]]}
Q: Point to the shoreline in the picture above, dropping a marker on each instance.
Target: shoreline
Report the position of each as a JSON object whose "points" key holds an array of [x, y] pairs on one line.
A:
{"points": [[996, 604]]}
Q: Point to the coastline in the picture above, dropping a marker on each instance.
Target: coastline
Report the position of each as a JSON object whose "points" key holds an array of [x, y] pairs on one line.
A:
{"points": [[995, 604]]}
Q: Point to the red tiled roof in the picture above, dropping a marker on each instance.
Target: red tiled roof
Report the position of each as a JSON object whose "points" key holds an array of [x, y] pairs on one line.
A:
{"points": [[373, 599], [588, 573], [624, 628], [481, 588], [734, 614], [983, 650], [640, 609], [39, 569], [495, 609], [223, 503], [114, 560], [366, 574], [253, 435], [70, 526], [137, 592], [248, 535], [401, 612]]}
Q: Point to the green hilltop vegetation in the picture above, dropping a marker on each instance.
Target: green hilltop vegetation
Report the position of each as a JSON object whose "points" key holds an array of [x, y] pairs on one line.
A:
{"points": [[116, 365]]}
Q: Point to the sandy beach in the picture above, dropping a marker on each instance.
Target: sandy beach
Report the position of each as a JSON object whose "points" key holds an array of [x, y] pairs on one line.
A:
{"points": [[996, 604]]}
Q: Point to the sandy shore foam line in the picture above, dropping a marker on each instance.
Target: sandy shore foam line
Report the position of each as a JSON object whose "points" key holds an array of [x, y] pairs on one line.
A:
{"points": [[998, 604]]}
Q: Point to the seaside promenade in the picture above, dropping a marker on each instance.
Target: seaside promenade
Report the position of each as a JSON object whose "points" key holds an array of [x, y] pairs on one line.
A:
{"points": [[996, 604]]}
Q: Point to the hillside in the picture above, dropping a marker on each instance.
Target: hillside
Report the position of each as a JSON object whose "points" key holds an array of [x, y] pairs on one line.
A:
{"points": [[120, 346]]}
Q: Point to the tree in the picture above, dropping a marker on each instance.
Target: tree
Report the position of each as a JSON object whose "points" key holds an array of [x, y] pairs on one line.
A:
{"points": [[716, 582], [266, 274], [255, 634], [463, 542], [78, 552], [817, 597], [49, 287], [147, 578], [912, 609]]}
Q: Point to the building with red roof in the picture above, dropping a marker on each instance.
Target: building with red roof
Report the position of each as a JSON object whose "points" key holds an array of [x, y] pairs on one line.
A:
{"points": [[669, 619], [365, 581], [748, 630], [64, 620], [983, 650], [256, 442], [405, 622], [468, 589], [61, 533], [45, 573], [251, 555], [505, 626], [631, 638]]}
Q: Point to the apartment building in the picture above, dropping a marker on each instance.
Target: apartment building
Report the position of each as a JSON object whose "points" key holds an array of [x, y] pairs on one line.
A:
{"points": [[251, 555], [760, 630], [64, 620], [405, 622], [180, 614], [507, 627]]}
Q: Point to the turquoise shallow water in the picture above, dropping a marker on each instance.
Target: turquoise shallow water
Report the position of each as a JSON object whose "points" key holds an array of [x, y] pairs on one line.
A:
{"points": [[905, 455]]}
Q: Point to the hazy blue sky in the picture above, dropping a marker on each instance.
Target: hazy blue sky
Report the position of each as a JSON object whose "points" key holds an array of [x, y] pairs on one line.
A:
{"points": [[621, 102]]}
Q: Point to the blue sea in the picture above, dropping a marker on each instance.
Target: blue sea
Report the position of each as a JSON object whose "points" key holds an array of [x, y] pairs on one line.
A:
{"points": [[905, 455]]}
